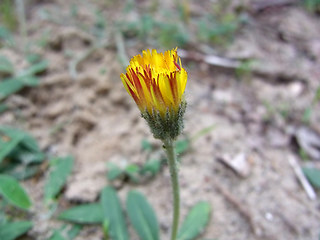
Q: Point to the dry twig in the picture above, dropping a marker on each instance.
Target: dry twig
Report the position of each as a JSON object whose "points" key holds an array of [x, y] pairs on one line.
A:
{"points": [[262, 5], [210, 59], [120, 44], [271, 71], [243, 210], [304, 182]]}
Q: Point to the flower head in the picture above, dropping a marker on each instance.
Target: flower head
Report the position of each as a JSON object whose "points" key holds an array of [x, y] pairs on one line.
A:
{"points": [[156, 82]]}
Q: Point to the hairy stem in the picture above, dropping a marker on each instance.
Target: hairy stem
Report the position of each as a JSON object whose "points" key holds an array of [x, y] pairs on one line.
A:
{"points": [[172, 162]]}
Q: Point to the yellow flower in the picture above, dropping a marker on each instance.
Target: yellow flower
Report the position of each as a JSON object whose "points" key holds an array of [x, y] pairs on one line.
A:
{"points": [[156, 81]]}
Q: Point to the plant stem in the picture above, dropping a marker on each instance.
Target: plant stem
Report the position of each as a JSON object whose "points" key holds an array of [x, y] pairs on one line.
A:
{"points": [[172, 162], [21, 12]]}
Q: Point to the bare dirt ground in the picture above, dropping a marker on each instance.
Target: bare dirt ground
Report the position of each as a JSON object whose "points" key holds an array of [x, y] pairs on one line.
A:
{"points": [[255, 115]]}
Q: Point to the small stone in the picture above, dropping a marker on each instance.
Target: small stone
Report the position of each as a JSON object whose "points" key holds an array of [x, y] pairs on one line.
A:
{"points": [[239, 164], [295, 89], [269, 216]]}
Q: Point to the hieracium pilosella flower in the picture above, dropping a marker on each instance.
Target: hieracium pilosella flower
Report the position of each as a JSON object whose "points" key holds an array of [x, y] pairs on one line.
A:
{"points": [[156, 82]]}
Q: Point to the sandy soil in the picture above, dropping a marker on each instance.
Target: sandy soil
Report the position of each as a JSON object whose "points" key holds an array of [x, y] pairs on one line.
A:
{"points": [[92, 117]]}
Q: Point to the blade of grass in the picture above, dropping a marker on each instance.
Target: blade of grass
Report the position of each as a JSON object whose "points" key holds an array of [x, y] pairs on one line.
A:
{"points": [[142, 216], [113, 214]]}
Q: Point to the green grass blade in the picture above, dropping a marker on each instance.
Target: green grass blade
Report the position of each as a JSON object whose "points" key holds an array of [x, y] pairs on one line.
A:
{"points": [[313, 175], [114, 171], [28, 141], [195, 222], [152, 166], [35, 69], [83, 214], [6, 66], [57, 236], [11, 190], [3, 107], [8, 87], [113, 214], [182, 146], [74, 231], [12, 230], [8, 141], [142, 216], [6, 35], [19, 148], [66, 232], [29, 81], [60, 169]]}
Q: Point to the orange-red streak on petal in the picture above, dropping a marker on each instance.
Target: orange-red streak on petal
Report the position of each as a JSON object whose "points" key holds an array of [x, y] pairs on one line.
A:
{"points": [[137, 84], [157, 91], [134, 96], [177, 65], [173, 86]]}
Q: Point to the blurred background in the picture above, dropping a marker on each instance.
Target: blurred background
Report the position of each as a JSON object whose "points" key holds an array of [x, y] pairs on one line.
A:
{"points": [[251, 144]]}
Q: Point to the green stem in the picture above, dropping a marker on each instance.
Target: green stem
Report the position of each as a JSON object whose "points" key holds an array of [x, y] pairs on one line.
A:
{"points": [[172, 162], [21, 12]]}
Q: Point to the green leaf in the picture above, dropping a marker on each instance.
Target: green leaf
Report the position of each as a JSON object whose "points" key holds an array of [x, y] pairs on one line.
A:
{"points": [[57, 236], [11, 190], [307, 115], [30, 143], [3, 108], [35, 69], [74, 231], [66, 232], [105, 229], [317, 95], [313, 175], [182, 146], [33, 58], [12, 85], [132, 171], [8, 141], [142, 216], [202, 132], [152, 166], [113, 171], [25, 156], [8, 87], [5, 34], [25, 78], [83, 214], [112, 213], [3, 218], [195, 222], [12, 230], [60, 169], [22, 151], [30, 81], [6, 66], [146, 145], [22, 172]]}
